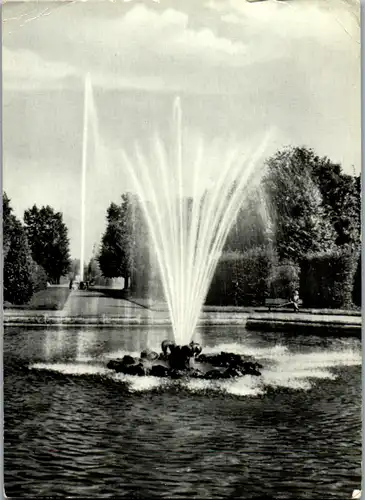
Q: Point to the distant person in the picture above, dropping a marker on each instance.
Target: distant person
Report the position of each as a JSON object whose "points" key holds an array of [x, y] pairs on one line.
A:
{"points": [[295, 301]]}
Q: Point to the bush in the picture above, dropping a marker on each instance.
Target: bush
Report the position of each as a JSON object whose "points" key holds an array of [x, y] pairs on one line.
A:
{"points": [[326, 279], [18, 285], [284, 280], [39, 277], [241, 279]]}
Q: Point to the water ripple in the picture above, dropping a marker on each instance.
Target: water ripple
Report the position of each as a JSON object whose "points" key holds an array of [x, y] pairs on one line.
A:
{"points": [[75, 428]]}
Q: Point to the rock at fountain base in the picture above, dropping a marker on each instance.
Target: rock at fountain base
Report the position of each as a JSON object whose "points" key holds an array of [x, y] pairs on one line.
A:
{"points": [[209, 367]]}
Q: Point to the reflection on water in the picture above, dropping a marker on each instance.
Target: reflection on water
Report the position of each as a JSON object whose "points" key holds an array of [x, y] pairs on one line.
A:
{"points": [[53, 343], [73, 427]]}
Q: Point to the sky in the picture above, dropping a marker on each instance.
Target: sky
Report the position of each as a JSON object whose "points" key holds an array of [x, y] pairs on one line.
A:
{"points": [[240, 69]]}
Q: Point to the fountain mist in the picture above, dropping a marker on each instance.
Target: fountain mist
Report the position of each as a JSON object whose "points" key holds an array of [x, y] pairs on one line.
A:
{"points": [[188, 234]]}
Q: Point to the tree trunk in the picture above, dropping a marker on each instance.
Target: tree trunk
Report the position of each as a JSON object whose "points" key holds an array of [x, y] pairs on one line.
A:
{"points": [[126, 282]]}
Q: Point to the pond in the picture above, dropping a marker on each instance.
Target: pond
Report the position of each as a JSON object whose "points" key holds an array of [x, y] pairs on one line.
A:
{"points": [[74, 428]]}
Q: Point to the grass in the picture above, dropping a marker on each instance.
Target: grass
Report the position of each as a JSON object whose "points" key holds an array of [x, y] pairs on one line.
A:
{"points": [[51, 299]]}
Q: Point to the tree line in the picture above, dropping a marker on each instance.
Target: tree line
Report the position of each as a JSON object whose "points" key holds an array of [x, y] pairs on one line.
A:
{"points": [[304, 205], [35, 252]]}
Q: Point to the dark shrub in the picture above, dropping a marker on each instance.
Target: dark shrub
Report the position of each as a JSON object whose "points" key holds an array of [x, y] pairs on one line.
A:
{"points": [[326, 279], [241, 279], [18, 286]]}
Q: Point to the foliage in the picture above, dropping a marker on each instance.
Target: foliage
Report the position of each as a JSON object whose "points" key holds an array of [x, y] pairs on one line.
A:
{"points": [[8, 224], [142, 275], [252, 227], [341, 194], [116, 257], [326, 279], [284, 280], [47, 236], [124, 248], [93, 273], [300, 220], [316, 206], [52, 299], [18, 284], [74, 269], [241, 279], [39, 277]]}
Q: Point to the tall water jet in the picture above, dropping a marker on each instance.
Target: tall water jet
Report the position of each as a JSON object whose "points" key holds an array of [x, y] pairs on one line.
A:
{"points": [[89, 120], [188, 234], [87, 88]]}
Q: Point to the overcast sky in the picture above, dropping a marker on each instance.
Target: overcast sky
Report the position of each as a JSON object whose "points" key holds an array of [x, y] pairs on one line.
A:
{"points": [[239, 67]]}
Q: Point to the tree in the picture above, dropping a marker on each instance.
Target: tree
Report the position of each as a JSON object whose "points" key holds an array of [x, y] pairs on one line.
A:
{"points": [[47, 236], [93, 273], [125, 250], [341, 194], [141, 262], [253, 225], [18, 264], [117, 247], [301, 221], [8, 223], [74, 269]]}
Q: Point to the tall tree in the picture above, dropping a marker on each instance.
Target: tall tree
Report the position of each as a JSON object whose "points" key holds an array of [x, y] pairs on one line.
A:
{"points": [[117, 246], [300, 219], [18, 264], [47, 236], [341, 193]]}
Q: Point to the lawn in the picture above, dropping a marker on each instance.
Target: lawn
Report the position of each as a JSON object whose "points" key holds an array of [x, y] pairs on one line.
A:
{"points": [[51, 299]]}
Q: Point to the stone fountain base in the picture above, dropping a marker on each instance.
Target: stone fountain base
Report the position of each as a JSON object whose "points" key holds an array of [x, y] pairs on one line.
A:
{"points": [[186, 362]]}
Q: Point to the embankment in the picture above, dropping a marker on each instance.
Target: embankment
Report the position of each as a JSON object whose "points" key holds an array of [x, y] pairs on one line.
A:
{"points": [[304, 323]]}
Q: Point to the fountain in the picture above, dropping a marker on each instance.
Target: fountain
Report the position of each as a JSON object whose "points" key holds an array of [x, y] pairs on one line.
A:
{"points": [[188, 231], [188, 234], [87, 91], [186, 361], [89, 115]]}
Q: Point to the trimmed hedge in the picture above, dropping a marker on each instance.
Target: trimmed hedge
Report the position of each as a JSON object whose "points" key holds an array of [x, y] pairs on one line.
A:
{"points": [[326, 279], [284, 280], [241, 279]]}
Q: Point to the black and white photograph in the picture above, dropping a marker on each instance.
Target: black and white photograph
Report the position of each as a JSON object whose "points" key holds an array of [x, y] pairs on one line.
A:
{"points": [[182, 249]]}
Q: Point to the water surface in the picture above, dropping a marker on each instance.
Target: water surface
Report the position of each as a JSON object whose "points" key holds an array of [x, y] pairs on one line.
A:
{"points": [[74, 428]]}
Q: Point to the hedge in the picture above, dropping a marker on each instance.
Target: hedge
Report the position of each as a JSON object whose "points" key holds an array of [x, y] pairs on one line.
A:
{"points": [[326, 279], [241, 279], [284, 280]]}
